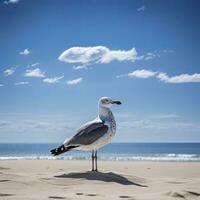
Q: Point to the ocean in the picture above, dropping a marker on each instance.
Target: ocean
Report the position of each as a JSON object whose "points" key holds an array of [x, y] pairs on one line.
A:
{"points": [[176, 152]]}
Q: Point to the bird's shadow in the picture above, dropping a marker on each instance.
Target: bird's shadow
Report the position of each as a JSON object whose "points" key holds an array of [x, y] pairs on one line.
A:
{"points": [[101, 176]]}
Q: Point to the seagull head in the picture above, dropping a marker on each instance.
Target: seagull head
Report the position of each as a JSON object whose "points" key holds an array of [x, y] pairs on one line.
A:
{"points": [[108, 102]]}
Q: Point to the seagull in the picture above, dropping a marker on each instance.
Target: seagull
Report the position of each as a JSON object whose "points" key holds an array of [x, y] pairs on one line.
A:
{"points": [[94, 134]]}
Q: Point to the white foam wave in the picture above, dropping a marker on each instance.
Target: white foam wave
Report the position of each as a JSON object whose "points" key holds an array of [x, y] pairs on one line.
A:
{"points": [[114, 157]]}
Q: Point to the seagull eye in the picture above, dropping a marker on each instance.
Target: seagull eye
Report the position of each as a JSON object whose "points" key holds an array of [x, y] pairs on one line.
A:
{"points": [[104, 101]]}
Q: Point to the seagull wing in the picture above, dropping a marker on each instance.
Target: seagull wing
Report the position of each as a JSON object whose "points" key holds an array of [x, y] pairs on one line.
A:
{"points": [[88, 134]]}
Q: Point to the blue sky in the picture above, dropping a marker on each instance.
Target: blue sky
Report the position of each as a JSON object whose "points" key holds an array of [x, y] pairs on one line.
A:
{"points": [[59, 57]]}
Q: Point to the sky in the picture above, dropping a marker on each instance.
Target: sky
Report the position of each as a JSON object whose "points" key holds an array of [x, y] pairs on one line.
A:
{"points": [[59, 57]]}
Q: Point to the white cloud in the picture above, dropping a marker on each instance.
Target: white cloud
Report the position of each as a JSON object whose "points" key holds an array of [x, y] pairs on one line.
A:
{"points": [[156, 122], [1, 85], [35, 64], [121, 75], [53, 80], [11, 1], [32, 125], [75, 81], [22, 83], [34, 73], [150, 56], [142, 73], [167, 51], [97, 54], [120, 55], [80, 67], [165, 116], [162, 124], [3, 123], [9, 72], [154, 54], [142, 8], [182, 78], [25, 52]]}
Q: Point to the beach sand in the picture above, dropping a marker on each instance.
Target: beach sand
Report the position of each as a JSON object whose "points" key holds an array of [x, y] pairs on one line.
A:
{"points": [[64, 179]]}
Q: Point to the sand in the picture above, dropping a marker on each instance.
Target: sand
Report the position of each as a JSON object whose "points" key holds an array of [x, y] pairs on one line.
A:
{"points": [[60, 179]]}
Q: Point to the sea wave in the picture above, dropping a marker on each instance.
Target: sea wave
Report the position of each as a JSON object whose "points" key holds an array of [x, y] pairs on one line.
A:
{"points": [[113, 157]]}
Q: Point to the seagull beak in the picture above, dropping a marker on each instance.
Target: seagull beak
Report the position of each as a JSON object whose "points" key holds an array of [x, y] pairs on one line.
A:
{"points": [[116, 102]]}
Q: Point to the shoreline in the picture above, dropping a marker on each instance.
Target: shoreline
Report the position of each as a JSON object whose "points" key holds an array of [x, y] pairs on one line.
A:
{"points": [[176, 152], [115, 159]]}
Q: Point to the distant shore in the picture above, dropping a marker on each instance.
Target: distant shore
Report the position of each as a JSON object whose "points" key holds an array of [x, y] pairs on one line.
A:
{"points": [[65, 179]]}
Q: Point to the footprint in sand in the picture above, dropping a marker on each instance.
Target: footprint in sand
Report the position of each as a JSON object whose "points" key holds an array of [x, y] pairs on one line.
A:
{"points": [[5, 180], [79, 193], [125, 197], [4, 168], [91, 195], [176, 194], [5, 195], [193, 193], [45, 178], [183, 195], [56, 197], [175, 182]]}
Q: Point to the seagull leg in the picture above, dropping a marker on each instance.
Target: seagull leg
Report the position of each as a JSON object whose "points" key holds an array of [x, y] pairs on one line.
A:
{"points": [[95, 156], [92, 160]]}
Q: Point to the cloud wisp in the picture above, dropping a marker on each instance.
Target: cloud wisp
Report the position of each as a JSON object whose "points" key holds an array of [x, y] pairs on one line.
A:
{"points": [[1, 85], [34, 65], [182, 78], [96, 54], [35, 126], [34, 73], [155, 54], [142, 73], [25, 52], [80, 67], [11, 1], [156, 122], [150, 56], [53, 80], [22, 83], [9, 72], [75, 81], [164, 77], [142, 8]]}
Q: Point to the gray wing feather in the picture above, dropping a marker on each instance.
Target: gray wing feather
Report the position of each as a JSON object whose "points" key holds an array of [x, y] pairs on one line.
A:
{"points": [[88, 134]]}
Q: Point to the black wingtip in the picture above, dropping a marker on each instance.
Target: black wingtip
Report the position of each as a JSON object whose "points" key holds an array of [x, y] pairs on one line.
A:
{"points": [[57, 151], [61, 149]]}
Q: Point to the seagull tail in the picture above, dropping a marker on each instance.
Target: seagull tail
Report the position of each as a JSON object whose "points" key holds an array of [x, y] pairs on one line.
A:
{"points": [[61, 149]]}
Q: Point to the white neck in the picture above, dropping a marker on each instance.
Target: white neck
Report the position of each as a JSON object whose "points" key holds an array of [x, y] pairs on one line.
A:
{"points": [[105, 113]]}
